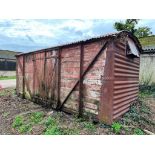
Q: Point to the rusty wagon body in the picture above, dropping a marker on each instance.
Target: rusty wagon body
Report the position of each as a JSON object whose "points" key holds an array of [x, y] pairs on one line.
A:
{"points": [[97, 77]]}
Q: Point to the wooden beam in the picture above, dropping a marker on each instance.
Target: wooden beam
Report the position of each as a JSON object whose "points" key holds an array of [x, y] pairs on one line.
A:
{"points": [[81, 81]]}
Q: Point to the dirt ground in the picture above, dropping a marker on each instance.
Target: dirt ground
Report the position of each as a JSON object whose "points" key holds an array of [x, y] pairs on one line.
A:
{"points": [[12, 106]]}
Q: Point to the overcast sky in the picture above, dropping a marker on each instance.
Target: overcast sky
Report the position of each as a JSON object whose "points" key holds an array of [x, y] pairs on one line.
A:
{"points": [[28, 35]]}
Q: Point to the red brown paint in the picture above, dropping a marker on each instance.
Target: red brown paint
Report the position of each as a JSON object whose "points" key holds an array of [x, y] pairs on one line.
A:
{"points": [[93, 77]]}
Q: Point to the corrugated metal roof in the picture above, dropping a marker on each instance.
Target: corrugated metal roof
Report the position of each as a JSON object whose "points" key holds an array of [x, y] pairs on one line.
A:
{"points": [[147, 48], [89, 40]]}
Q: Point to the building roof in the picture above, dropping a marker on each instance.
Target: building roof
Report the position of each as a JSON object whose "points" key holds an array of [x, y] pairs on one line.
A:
{"points": [[149, 49], [110, 35]]}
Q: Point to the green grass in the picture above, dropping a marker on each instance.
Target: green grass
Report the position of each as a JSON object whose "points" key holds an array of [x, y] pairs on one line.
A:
{"points": [[7, 77], [146, 41]]}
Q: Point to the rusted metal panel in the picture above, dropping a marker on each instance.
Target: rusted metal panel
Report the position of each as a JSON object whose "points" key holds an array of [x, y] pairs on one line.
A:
{"points": [[126, 81]]}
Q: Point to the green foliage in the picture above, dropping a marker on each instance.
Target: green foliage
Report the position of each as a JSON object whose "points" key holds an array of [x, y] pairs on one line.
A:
{"points": [[37, 117], [53, 130], [68, 131], [116, 127], [89, 126], [18, 121], [130, 25], [50, 121], [147, 41], [24, 128], [146, 90], [52, 127], [138, 131], [143, 32]]}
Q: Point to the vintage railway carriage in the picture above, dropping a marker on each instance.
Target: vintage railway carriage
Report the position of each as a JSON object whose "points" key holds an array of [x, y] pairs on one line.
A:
{"points": [[98, 77]]}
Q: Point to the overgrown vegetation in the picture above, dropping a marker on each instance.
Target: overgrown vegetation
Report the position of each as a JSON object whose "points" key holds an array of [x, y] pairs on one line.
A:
{"points": [[36, 117], [138, 131], [7, 77], [138, 119], [7, 92], [18, 122], [51, 125], [116, 127], [147, 90], [147, 41], [146, 87]]}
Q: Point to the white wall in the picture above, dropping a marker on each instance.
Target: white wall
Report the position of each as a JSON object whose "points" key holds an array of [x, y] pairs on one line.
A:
{"points": [[147, 68]]}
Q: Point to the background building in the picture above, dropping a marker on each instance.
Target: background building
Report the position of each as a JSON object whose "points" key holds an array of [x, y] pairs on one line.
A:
{"points": [[7, 63], [147, 60]]}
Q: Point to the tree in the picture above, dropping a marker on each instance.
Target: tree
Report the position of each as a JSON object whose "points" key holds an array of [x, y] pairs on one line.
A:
{"points": [[130, 25]]}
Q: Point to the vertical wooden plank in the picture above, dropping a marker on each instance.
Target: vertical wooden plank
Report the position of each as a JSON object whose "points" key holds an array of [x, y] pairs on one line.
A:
{"points": [[59, 77], [34, 71], [81, 81], [23, 76], [106, 104], [17, 77], [45, 91]]}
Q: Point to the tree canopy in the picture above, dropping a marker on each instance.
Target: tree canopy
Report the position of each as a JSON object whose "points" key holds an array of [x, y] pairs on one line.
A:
{"points": [[130, 25]]}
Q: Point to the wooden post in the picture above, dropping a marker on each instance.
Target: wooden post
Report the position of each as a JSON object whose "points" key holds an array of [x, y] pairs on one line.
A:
{"points": [[81, 82], [23, 76], [59, 77]]}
